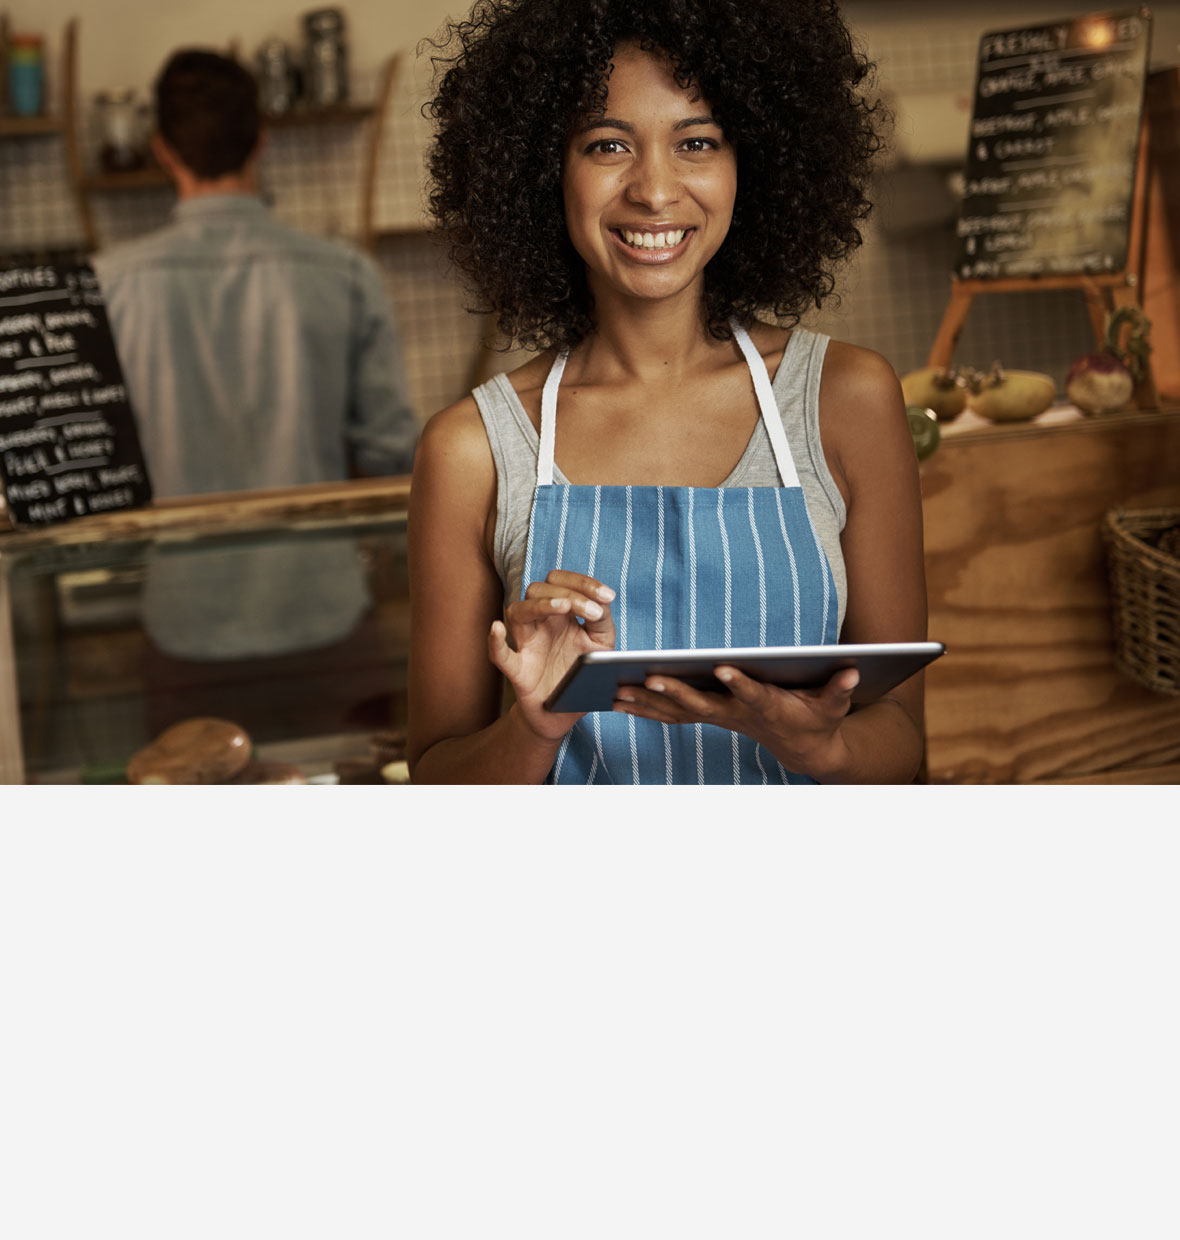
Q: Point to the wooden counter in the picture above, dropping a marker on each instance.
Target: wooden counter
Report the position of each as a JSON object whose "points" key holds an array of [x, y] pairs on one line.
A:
{"points": [[1016, 574]]}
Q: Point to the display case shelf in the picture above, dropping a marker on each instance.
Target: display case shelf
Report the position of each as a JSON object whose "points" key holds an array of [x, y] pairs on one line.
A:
{"points": [[80, 679], [136, 179]]}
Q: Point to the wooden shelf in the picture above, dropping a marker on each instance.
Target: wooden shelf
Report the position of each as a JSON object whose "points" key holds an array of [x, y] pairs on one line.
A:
{"points": [[139, 178], [29, 126], [304, 117], [397, 231]]}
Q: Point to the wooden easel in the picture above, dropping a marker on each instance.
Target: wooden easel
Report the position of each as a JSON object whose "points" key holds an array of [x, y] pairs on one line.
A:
{"points": [[1104, 293]]}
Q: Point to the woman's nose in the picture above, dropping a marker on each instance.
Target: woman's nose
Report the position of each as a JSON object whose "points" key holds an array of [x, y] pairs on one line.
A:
{"points": [[653, 183]]}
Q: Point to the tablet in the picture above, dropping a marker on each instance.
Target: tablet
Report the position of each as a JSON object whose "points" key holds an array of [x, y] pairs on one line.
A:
{"points": [[592, 681]]}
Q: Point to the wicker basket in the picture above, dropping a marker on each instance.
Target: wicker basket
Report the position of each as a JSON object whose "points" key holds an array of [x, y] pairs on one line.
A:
{"points": [[1145, 594]]}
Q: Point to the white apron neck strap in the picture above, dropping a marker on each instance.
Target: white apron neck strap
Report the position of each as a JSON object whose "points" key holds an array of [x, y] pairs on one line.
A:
{"points": [[549, 420], [771, 418]]}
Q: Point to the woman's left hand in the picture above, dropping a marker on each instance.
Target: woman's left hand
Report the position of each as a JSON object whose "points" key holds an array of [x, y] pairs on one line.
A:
{"points": [[801, 727]]}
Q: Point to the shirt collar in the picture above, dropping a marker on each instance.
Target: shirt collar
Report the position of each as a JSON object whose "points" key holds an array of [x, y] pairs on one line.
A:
{"points": [[221, 206]]}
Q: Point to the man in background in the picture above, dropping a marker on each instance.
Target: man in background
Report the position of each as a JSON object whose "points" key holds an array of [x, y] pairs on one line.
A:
{"points": [[254, 356]]}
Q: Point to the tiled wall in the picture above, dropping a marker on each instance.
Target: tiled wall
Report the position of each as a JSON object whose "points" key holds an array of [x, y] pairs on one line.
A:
{"points": [[893, 293]]}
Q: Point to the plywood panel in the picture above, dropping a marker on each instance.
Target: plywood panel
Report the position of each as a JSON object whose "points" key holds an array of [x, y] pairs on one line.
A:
{"points": [[1018, 592]]}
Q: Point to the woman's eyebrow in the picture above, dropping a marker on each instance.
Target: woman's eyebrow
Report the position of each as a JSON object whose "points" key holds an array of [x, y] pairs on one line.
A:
{"points": [[610, 122], [606, 122]]}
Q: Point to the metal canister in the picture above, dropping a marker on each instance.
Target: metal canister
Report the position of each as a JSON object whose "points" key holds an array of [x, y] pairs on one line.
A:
{"points": [[276, 78], [327, 57]]}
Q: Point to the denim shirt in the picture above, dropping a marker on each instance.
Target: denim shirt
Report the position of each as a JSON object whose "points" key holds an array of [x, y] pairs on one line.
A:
{"points": [[255, 356]]}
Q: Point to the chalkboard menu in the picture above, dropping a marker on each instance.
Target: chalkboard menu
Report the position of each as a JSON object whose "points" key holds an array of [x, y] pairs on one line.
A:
{"points": [[1050, 170], [68, 443]]}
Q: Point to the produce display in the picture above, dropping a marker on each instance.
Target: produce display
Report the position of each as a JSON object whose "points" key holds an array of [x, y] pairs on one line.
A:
{"points": [[999, 395], [215, 751], [268, 773], [940, 389], [194, 751], [1103, 382], [924, 429], [1009, 395]]}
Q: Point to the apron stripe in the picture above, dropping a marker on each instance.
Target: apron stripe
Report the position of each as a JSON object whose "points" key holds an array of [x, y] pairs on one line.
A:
{"points": [[728, 640], [761, 568], [623, 576], [532, 545], [594, 529], [565, 509], [562, 750], [658, 644], [758, 762], [782, 523], [825, 572], [728, 568], [692, 576], [623, 629]]}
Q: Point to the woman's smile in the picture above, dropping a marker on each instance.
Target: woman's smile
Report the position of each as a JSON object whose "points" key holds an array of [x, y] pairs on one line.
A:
{"points": [[653, 244]]}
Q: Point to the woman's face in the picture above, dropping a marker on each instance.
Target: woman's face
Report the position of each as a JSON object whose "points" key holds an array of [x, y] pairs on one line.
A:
{"points": [[649, 187]]}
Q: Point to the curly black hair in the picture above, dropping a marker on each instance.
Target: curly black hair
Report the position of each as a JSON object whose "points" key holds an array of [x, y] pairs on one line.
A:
{"points": [[784, 81]]}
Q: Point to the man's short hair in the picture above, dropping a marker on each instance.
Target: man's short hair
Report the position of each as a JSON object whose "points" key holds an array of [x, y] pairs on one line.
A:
{"points": [[207, 112]]}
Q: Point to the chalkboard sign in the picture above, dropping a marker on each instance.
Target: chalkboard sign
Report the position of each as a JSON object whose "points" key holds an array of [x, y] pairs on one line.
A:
{"points": [[1050, 170], [68, 443]]}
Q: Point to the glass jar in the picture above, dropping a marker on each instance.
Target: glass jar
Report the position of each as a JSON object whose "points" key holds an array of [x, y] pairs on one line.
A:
{"points": [[26, 74], [121, 125], [327, 57]]}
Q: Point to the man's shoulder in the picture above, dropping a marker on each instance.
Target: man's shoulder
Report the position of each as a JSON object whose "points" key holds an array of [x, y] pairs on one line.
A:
{"points": [[243, 238], [329, 251], [139, 254]]}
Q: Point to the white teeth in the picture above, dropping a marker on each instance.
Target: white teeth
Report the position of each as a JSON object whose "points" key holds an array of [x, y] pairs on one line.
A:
{"points": [[657, 241]]}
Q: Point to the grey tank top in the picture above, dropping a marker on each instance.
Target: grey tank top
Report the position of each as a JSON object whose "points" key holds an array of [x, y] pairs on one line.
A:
{"points": [[515, 443]]}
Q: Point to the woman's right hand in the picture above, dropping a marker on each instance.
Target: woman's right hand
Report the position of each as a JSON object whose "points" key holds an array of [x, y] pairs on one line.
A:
{"points": [[546, 639]]}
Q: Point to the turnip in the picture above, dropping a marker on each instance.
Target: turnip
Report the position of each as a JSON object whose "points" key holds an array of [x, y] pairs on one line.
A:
{"points": [[1103, 382]]}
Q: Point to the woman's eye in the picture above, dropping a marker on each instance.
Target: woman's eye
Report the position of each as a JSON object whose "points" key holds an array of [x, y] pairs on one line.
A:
{"points": [[606, 146], [693, 145]]}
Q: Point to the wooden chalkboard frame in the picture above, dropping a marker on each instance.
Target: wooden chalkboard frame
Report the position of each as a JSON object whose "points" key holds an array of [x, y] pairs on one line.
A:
{"points": [[1103, 292], [69, 443]]}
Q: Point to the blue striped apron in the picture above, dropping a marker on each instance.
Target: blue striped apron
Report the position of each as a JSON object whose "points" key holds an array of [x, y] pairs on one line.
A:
{"points": [[691, 567]]}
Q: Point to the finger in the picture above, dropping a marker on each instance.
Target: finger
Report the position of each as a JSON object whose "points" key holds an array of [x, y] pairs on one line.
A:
{"points": [[752, 693], [591, 587], [563, 600], [834, 699], [639, 702], [696, 702], [499, 651]]}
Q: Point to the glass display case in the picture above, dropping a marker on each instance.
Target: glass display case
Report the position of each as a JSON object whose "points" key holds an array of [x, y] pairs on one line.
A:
{"points": [[91, 613]]}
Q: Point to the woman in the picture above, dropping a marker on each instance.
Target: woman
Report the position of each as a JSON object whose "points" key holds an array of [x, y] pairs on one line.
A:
{"points": [[628, 185]]}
